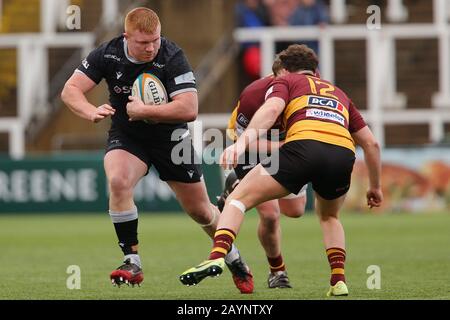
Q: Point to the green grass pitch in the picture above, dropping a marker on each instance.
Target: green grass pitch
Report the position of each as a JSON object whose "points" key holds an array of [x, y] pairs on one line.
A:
{"points": [[412, 251]]}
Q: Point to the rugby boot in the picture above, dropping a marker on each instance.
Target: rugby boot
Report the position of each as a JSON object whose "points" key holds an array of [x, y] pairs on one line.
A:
{"points": [[242, 276], [128, 273], [278, 279], [208, 268], [339, 289]]}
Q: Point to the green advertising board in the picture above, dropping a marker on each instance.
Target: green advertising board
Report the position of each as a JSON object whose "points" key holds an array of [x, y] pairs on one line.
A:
{"points": [[77, 183]]}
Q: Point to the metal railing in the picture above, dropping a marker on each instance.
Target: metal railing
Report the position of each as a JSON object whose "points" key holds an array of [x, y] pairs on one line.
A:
{"points": [[33, 78], [35, 92], [384, 104]]}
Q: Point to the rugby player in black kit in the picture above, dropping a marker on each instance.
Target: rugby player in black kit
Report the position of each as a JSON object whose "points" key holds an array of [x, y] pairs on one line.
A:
{"points": [[134, 145]]}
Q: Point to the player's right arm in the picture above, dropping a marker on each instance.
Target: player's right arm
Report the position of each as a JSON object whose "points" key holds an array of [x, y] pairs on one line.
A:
{"points": [[73, 95], [90, 72]]}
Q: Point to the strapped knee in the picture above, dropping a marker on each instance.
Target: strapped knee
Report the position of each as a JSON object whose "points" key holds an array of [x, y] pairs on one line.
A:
{"points": [[215, 217]]}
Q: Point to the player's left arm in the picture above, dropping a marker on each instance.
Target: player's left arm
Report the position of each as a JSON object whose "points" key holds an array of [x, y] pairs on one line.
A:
{"points": [[181, 87], [182, 108]]}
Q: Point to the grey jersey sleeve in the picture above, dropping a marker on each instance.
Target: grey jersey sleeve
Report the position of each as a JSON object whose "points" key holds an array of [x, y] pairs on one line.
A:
{"points": [[180, 77]]}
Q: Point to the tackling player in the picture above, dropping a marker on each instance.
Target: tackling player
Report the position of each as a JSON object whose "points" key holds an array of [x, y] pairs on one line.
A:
{"points": [[293, 205], [322, 126]]}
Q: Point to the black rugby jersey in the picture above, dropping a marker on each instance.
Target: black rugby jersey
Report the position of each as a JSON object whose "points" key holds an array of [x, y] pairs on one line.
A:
{"points": [[110, 61]]}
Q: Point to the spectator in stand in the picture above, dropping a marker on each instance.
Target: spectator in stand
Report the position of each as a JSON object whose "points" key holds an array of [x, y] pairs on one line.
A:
{"points": [[297, 13], [251, 14], [280, 12], [310, 13], [277, 13]]}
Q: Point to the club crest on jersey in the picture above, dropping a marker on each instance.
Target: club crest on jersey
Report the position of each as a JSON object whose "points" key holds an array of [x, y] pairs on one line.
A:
{"points": [[325, 102]]}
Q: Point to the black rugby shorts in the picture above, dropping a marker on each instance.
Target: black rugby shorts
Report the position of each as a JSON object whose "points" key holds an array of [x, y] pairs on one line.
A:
{"points": [[159, 154], [328, 167], [246, 163]]}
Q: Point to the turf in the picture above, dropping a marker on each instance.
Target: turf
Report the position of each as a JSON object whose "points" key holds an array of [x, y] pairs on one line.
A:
{"points": [[412, 251]]}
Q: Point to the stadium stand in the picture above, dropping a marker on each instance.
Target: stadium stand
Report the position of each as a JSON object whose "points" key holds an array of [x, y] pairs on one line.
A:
{"points": [[397, 75], [410, 107]]}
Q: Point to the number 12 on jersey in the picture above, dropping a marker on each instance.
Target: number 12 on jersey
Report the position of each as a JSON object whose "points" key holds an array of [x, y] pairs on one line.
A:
{"points": [[322, 88]]}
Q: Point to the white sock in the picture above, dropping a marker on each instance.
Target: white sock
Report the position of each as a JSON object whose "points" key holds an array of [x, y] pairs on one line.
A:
{"points": [[134, 258], [232, 255], [279, 272]]}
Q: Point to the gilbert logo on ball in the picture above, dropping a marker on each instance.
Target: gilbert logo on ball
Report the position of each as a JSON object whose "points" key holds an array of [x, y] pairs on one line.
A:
{"points": [[150, 90]]}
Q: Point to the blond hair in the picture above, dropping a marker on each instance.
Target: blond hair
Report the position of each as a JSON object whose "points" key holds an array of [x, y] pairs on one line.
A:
{"points": [[141, 19]]}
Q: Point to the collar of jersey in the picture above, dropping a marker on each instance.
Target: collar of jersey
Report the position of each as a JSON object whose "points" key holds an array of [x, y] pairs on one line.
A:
{"points": [[130, 58]]}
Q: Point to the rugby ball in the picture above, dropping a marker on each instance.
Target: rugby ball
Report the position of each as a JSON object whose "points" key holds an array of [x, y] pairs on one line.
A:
{"points": [[150, 90]]}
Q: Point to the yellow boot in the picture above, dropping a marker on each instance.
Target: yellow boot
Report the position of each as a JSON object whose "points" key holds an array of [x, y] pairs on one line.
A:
{"points": [[339, 289]]}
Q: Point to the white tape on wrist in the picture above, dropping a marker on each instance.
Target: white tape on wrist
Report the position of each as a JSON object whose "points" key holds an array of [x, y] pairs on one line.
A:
{"points": [[238, 205]]}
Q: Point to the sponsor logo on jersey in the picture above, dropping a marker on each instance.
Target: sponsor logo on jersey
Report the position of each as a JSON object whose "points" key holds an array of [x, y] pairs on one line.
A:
{"points": [[243, 120], [85, 63], [325, 115], [124, 89], [187, 77], [115, 141], [160, 66], [119, 74], [191, 173], [325, 102], [112, 56], [114, 144]]}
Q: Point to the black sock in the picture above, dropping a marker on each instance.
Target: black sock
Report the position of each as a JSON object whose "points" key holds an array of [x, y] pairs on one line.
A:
{"points": [[127, 235]]}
